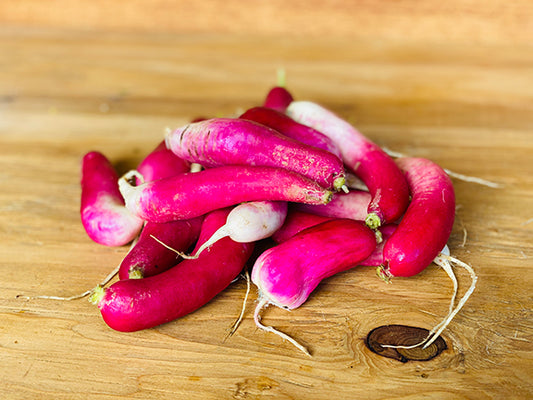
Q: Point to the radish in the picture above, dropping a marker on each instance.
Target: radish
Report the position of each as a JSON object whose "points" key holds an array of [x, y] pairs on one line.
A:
{"points": [[193, 194], [230, 141], [103, 214], [286, 125], [385, 181], [135, 304], [421, 236], [278, 98], [249, 222], [149, 258], [351, 205], [286, 274], [162, 163], [295, 222], [427, 223]]}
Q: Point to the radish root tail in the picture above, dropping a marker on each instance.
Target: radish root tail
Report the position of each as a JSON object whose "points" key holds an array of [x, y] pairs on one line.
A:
{"points": [[237, 323], [263, 302], [447, 262]]}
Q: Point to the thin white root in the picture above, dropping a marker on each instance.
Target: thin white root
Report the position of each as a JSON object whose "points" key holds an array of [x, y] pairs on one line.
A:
{"points": [[219, 234], [237, 323], [446, 262], [263, 302], [179, 253], [195, 167], [456, 175], [106, 280], [473, 179]]}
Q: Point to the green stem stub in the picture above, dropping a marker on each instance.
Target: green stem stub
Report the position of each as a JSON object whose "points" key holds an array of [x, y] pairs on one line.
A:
{"points": [[384, 274], [373, 221], [97, 295]]}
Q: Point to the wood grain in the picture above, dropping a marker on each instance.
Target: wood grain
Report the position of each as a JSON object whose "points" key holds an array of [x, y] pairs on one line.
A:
{"points": [[63, 93], [466, 21]]}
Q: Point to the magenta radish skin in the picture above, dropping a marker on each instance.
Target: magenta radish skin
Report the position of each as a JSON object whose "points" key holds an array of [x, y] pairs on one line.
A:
{"points": [[352, 205], [286, 125], [135, 304], [149, 257], [193, 194], [296, 221], [427, 224], [161, 163], [232, 141], [385, 181], [278, 98], [377, 258], [103, 214], [288, 273]]}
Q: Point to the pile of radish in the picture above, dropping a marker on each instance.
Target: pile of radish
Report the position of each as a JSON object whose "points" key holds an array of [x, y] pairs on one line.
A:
{"points": [[325, 197]]}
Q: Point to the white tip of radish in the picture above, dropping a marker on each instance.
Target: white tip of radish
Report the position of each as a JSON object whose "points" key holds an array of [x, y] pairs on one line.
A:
{"points": [[345, 189], [263, 302]]}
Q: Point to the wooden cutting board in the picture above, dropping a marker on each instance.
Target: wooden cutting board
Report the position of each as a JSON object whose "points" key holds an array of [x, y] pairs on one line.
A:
{"points": [[64, 93]]}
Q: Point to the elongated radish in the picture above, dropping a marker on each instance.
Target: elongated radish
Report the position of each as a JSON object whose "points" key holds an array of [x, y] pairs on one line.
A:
{"points": [[296, 221], [278, 98], [286, 274], [286, 125], [353, 205], [148, 257], [385, 181], [232, 141], [135, 304], [249, 222], [162, 163], [103, 214], [427, 223], [193, 194]]}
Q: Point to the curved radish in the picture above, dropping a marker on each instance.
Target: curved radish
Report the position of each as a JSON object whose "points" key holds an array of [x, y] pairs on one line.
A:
{"points": [[287, 126], [427, 223], [193, 194], [296, 221], [286, 274], [135, 304], [249, 222], [162, 163], [278, 98], [148, 257], [385, 182], [231, 141], [352, 205], [103, 214]]}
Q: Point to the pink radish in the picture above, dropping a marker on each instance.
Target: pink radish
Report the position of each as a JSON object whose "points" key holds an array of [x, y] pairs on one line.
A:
{"points": [[162, 163], [385, 181], [278, 98], [427, 223], [295, 222], [230, 141], [351, 205], [249, 222], [135, 304], [103, 214], [149, 258], [193, 194], [286, 125], [286, 274]]}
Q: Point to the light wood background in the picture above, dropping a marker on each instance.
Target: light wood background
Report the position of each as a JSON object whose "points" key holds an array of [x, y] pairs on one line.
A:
{"points": [[451, 81]]}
